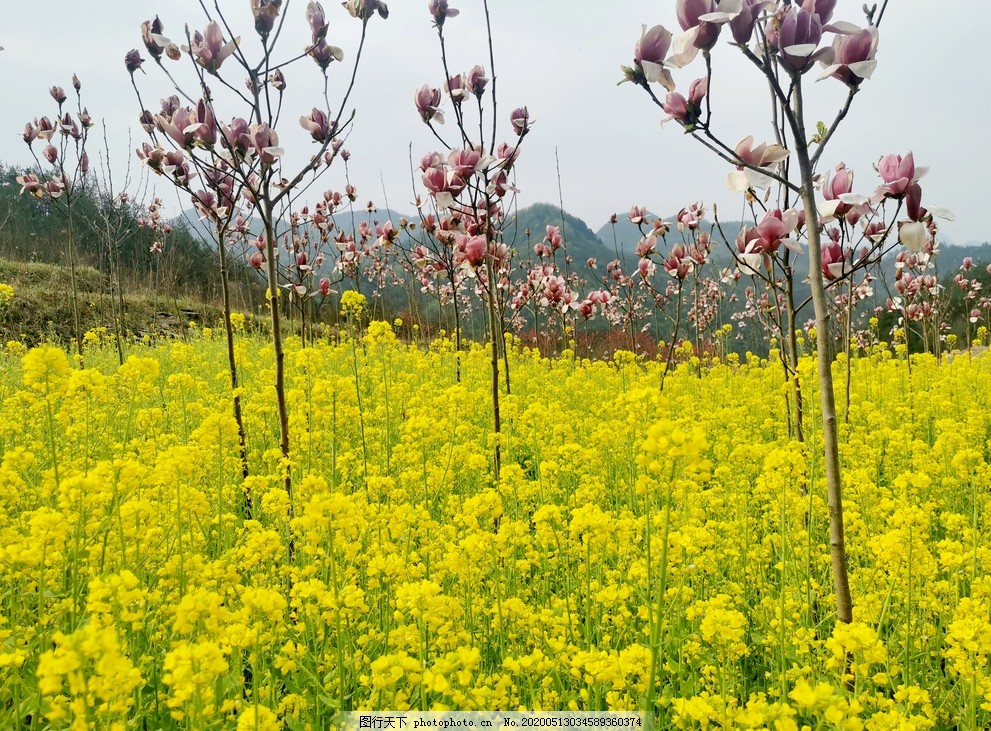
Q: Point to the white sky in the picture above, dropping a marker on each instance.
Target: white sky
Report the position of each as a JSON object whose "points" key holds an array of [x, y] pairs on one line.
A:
{"points": [[931, 93]]}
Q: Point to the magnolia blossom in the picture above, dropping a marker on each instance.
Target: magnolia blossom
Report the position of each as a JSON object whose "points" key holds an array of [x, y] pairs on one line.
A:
{"points": [[474, 249], [317, 20], [155, 42], [440, 11], [798, 38], [851, 58], [914, 235], [757, 244], [209, 48], [266, 143], [650, 53], [427, 102], [636, 215], [265, 12], [840, 200], [764, 155], [701, 20], [365, 9], [742, 26], [898, 174], [833, 260], [317, 125], [686, 111], [520, 120], [30, 184], [456, 89], [476, 80]]}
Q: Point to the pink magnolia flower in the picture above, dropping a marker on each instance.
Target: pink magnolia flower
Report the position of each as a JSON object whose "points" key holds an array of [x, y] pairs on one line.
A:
{"points": [[387, 234], [833, 260], [476, 80], [798, 38], [678, 265], [317, 20], [58, 94], [689, 217], [278, 80], [840, 200], [898, 174], [209, 48], [45, 130], [851, 58], [914, 235], [30, 184], [764, 155], [266, 143], [650, 53], [431, 160], [467, 162], [265, 13], [235, 137], [365, 9], [155, 42], [317, 125], [179, 126], [440, 11], [324, 54], [443, 185], [636, 215], [742, 26], [702, 20], [474, 250], [456, 89], [427, 101], [520, 120], [822, 8], [205, 134], [769, 234], [687, 111]]}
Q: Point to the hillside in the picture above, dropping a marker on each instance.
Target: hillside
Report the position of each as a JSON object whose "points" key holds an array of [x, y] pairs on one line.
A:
{"points": [[41, 309], [579, 240]]}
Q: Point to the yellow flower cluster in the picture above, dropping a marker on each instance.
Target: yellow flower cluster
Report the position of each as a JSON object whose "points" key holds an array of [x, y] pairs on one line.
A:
{"points": [[147, 583]]}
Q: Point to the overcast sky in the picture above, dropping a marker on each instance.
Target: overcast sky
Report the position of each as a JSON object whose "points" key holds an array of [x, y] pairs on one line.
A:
{"points": [[931, 94]]}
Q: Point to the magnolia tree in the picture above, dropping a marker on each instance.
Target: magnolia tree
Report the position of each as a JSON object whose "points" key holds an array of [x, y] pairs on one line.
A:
{"points": [[798, 207], [61, 179], [236, 169], [467, 182]]}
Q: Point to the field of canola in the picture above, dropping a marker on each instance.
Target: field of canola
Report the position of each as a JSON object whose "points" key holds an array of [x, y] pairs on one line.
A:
{"points": [[135, 594]]}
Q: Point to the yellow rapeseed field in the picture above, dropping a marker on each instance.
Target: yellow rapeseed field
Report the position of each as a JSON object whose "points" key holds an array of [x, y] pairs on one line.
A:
{"points": [[636, 535]]}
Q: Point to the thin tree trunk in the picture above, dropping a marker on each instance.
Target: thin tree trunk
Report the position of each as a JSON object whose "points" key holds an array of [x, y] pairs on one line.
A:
{"points": [[74, 284], [831, 455], [280, 356], [246, 503], [792, 339], [493, 330], [457, 329]]}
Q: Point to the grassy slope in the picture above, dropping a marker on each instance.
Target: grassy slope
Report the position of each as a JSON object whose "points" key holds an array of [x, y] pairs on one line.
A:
{"points": [[42, 305]]}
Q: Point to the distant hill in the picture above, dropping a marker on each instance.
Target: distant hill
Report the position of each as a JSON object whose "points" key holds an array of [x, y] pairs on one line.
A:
{"points": [[624, 235], [579, 240], [343, 219]]}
